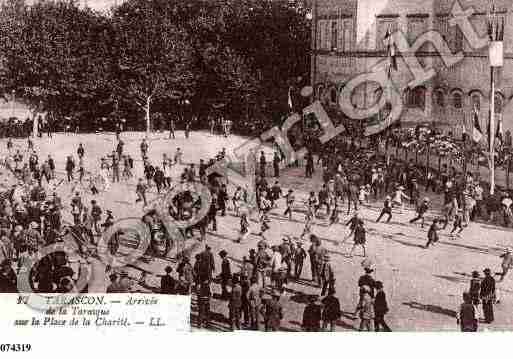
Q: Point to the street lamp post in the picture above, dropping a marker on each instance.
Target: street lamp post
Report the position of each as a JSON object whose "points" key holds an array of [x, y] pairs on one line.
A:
{"points": [[13, 103]]}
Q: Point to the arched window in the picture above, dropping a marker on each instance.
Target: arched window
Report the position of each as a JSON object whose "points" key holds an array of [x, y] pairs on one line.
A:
{"points": [[476, 101], [440, 98], [416, 97], [320, 91], [457, 100], [333, 95]]}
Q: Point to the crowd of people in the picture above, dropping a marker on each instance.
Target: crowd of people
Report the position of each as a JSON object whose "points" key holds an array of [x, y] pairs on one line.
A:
{"points": [[31, 215]]}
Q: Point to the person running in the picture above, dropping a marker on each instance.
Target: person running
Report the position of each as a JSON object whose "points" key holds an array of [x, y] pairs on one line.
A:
{"points": [[458, 223], [289, 199], [398, 197], [387, 209], [421, 211], [359, 237], [507, 262], [433, 233]]}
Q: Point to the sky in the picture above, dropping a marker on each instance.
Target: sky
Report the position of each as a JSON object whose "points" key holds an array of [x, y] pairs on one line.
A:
{"points": [[95, 4]]}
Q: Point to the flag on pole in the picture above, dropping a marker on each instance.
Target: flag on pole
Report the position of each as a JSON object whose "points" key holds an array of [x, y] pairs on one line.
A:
{"points": [[391, 51], [477, 134], [463, 128], [498, 133], [289, 99]]}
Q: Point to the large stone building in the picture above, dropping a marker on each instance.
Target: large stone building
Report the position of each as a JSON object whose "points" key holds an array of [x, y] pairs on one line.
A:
{"points": [[347, 39]]}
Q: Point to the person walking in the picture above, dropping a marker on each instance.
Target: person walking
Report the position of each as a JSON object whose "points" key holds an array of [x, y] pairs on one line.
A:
{"points": [[299, 258], [359, 238], [276, 164], [235, 303], [380, 308], [254, 303], [327, 275], [312, 315], [272, 312], [466, 316], [331, 310], [263, 164], [226, 274], [140, 190], [487, 296], [365, 309], [70, 166], [474, 291]]}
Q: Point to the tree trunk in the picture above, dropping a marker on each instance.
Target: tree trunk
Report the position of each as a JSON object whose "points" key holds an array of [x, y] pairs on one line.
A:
{"points": [[147, 110]]}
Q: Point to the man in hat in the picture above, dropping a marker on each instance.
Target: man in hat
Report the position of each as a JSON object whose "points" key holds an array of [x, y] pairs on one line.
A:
{"points": [[312, 315], [327, 275], [226, 273], [207, 265], [380, 308], [235, 303], [299, 258], [254, 302], [474, 290], [421, 211], [487, 295], [272, 312]]}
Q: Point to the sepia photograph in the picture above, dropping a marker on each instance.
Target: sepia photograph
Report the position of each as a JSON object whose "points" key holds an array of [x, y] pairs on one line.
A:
{"points": [[276, 165]]}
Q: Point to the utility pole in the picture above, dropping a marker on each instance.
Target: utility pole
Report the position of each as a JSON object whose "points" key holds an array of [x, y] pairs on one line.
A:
{"points": [[496, 57]]}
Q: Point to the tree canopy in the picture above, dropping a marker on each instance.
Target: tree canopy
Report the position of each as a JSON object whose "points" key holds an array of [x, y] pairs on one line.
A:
{"points": [[145, 55]]}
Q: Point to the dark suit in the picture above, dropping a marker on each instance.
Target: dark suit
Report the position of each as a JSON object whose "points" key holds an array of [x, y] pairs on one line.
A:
{"points": [[488, 297]]}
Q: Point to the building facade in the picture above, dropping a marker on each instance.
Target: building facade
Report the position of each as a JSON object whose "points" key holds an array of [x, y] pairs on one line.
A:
{"points": [[348, 39]]}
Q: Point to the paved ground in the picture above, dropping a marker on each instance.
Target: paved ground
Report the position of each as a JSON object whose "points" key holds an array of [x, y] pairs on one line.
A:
{"points": [[423, 286]]}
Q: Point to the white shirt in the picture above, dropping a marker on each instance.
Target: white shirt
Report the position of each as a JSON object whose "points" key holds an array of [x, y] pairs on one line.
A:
{"points": [[276, 262]]}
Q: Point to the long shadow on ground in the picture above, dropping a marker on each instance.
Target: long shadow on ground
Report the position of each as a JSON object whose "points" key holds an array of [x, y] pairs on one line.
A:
{"points": [[431, 308]]}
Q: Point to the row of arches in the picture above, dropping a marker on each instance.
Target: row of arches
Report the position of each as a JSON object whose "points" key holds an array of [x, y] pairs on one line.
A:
{"points": [[416, 97]]}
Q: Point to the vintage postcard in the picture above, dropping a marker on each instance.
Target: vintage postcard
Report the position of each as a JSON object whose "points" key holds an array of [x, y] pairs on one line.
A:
{"points": [[255, 165]]}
